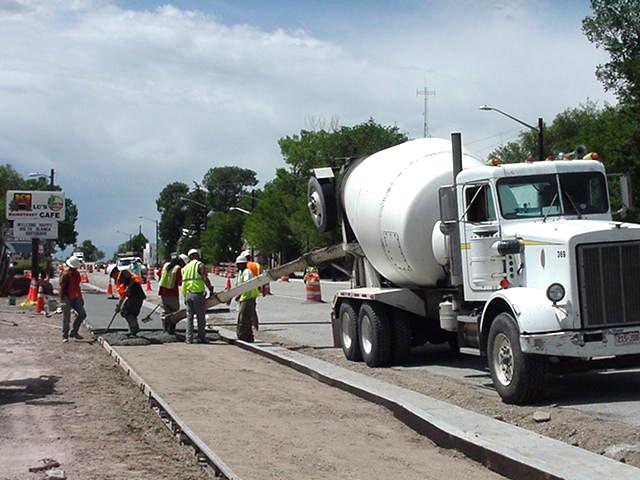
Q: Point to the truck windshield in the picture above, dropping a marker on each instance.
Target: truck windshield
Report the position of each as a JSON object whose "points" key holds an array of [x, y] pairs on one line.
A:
{"points": [[538, 195]]}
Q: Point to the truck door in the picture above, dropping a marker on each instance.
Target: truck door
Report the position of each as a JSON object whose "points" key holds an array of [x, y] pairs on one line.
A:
{"points": [[483, 267]]}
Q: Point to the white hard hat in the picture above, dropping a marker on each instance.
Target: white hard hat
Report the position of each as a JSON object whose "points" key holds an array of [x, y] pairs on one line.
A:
{"points": [[73, 262], [241, 259], [194, 251], [184, 258]]}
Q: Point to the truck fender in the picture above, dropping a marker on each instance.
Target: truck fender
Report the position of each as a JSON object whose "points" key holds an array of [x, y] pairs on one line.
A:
{"points": [[530, 307]]}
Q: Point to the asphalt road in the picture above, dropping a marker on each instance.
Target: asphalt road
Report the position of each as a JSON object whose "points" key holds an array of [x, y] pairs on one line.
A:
{"points": [[610, 394]]}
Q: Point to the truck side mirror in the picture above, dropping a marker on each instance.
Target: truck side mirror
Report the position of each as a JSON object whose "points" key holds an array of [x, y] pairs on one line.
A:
{"points": [[448, 206], [626, 194]]}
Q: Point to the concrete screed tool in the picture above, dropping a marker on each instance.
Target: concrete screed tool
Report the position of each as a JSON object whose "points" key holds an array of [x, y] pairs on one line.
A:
{"points": [[148, 317]]}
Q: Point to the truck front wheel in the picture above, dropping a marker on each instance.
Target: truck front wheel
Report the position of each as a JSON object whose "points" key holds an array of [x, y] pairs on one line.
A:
{"points": [[348, 322], [375, 338], [519, 378]]}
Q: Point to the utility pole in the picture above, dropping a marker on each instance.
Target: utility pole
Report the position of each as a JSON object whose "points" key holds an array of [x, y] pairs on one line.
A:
{"points": [[427, 93]]}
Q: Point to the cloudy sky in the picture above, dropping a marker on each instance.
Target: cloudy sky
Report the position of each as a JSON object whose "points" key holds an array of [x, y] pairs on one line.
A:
{"points": [[122, 97]]}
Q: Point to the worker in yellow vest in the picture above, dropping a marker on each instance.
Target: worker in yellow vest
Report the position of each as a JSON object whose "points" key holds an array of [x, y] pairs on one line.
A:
{"points": [[194, 280], [247, 302]]}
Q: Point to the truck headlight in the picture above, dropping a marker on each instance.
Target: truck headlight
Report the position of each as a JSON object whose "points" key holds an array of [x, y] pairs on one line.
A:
{"points": [[555, 292]]}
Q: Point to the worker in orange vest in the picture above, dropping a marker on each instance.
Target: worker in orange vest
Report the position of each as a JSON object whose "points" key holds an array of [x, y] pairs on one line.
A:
{"points": [[256, 270]]}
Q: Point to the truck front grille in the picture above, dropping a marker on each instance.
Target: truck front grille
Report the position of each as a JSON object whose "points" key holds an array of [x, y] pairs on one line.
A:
{"points": [[609, 281]]}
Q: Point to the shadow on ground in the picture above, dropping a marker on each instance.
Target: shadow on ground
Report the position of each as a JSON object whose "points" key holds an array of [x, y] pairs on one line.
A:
{"points": [[27, 389]]}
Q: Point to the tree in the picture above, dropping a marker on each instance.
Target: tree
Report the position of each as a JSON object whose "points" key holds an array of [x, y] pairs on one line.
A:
{"points": [[311, 149], [135, 245], [172, 214], [281, 223], [10, 179], [615, 27], [67, 234], [226, 185], [222, 240], [90, 251]]}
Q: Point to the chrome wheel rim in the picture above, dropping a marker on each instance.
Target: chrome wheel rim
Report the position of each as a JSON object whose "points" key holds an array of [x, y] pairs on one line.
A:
{"points": [[367, 334], [347, 338], [315, 207], [503, 359]]}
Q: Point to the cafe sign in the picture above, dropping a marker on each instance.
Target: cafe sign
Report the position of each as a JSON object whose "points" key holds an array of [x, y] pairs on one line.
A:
{"points": [[35, 205]]}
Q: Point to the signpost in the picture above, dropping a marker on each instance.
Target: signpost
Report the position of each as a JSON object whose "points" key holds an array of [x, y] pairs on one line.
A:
{"points": [[35, 216]]}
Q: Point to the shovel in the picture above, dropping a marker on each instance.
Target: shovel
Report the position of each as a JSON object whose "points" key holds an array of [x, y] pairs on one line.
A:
{"points": [[148, 317], [112, 319]]}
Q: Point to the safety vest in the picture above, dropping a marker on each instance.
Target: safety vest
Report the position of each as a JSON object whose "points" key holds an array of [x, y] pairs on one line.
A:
{"points": [[168, 277], [243, 277], [192, 281], [254, 267]]}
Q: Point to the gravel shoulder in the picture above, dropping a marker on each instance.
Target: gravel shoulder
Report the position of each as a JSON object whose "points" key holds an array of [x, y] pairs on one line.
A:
{"points": [[71, 403]]}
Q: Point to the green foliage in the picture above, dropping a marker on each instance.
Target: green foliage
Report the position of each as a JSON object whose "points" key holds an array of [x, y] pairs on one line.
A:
{"points": [[135, 245], [615, 27], [312, 149], [225, 185], [222, 240], [10, 179], [67, 234], [280, 223], [172, 214], [90, 251]]}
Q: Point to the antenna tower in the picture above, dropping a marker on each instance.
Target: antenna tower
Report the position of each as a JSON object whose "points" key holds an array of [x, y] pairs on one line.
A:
{"points": [[427, 93]]}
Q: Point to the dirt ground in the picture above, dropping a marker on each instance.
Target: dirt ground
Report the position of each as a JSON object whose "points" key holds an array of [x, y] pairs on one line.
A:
{"points": [[71, 403]]}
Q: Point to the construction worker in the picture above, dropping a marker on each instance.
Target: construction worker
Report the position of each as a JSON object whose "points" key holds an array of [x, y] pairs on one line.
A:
{"points": [[256, 270], [130, 304], [170, 280], [194, 280], [247, 302], [120, 287], [71, 297]]}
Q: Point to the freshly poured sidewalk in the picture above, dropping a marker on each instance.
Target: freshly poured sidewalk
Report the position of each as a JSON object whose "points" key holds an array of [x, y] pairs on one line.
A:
{"points": [[266, 421]]}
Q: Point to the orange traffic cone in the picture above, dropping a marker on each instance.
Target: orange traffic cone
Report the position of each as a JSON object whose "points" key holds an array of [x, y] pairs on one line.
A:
{"points": [[228, 285], [312, 288], [84, 277], [110, 290], [148, 285], [40, 301], [33, 290]]}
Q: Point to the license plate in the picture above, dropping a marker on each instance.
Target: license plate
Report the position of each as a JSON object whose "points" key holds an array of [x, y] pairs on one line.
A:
{"points": [[627, 338]]}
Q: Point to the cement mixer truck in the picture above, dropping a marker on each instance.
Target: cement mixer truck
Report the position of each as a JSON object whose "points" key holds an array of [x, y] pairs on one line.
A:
{"points": [[520, 263]]}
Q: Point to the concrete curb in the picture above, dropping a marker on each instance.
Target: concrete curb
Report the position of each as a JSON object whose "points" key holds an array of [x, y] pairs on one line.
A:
{"points": [[220, 468], [512, 451]]}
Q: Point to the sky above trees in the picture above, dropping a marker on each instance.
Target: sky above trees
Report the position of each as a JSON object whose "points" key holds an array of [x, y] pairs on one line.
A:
{"points": [[124, 97]]}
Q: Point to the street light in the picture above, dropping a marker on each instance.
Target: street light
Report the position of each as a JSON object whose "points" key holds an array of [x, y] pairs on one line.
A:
{"points": [[156, 222], [51, 176], [539, 129], [238, 209]]}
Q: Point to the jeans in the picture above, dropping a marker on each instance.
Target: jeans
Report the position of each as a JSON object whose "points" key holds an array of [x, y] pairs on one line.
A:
{"points": [[78, 305], [169, 305], [195, 307], [247, 316]]}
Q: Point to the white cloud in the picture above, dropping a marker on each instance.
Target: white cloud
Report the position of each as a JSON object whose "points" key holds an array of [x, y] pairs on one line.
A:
{"points": [[122, 102]]}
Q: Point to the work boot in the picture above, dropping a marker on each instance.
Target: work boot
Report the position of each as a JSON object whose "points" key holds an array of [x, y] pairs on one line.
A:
{"points": [[77, 336]]}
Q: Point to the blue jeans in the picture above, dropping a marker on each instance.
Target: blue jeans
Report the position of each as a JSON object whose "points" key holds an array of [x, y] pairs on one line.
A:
{"points": [[78, 305]]}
